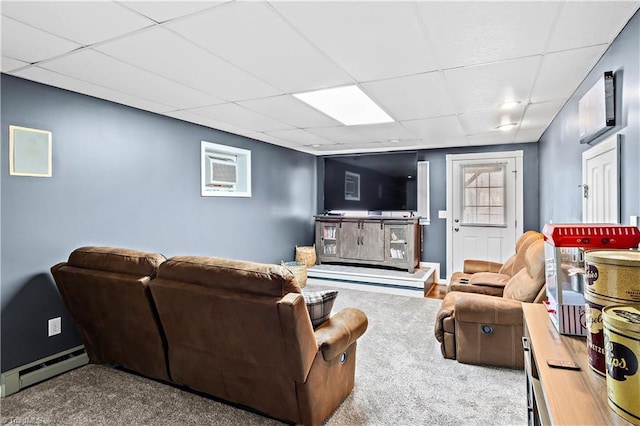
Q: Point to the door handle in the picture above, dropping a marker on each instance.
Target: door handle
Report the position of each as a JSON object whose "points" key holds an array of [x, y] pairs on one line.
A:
{"points": [[456, 229]]}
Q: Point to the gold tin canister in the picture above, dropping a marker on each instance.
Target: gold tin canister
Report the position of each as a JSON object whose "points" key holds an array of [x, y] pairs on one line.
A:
{"points": [[613, 274], [612, 277], [622, 343]]}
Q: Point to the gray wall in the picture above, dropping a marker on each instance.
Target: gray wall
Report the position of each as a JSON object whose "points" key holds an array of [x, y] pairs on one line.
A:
{"points": [[129, 178], [435, 234], [561, 151]]}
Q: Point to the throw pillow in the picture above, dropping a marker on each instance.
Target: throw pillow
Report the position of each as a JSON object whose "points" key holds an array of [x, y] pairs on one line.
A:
{"points": [[319, 304]]}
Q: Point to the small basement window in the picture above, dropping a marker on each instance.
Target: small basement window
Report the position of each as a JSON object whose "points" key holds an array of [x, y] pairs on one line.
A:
{"points": [[225, 171]]}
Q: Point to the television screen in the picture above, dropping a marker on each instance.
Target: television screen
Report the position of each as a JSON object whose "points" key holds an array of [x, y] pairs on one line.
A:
{"points": [[379, 182]]}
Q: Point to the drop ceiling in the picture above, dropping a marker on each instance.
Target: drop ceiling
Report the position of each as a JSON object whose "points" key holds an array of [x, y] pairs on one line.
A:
{"points": [[441, 70]]}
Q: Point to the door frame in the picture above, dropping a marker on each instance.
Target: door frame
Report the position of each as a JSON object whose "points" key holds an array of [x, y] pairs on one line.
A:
{"points": [[519, 186], [612, 143]]}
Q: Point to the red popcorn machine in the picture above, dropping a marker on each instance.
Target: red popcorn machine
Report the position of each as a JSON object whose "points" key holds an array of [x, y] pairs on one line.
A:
{"points": [[564, 249]]}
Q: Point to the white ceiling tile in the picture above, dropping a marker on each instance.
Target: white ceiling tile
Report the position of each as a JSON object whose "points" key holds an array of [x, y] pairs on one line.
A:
{"points": [[10, 64], [99, 69], [586, 23], [488, 86], [340, 134], [207, 121], [540, 115], [488, 120], [385, 132], [562, 72], [299, 137], [370, 40], [20, 41], [529, 135], [162, 11], [290, 110], [492, 138], [411, 97], [440, 130], [58, 80], [254, 37], [474, 32], [171, 56], [244, 118], [85, 22]]}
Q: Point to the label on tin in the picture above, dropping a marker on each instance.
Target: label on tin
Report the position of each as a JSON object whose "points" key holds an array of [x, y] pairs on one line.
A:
{"points": [[595, 337], [622, 363], [591, 274]]}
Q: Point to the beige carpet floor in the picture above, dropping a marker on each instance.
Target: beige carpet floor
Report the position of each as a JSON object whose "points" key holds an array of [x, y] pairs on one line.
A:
{"points": [[401, 379]]}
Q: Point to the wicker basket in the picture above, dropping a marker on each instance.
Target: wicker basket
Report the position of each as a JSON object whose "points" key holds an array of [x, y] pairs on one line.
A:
{"points": [[299, 271], [306, 255]]}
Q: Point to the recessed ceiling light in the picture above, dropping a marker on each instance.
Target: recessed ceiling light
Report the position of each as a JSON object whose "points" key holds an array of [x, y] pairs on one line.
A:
{"points": [[349, 105], [507, 126], [509, 104], [316, 145]]}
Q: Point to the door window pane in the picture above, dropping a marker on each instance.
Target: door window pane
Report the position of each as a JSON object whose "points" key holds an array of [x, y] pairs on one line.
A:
{"points": [[483, 194]]}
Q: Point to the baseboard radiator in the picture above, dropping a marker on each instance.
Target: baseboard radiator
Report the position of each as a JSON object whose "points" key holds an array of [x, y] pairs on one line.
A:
{"points": [[19, 378]]}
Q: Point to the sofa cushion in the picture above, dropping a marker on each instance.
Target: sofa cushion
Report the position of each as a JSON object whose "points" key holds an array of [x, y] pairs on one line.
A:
{"points": [[319, 305], [114, 259]]}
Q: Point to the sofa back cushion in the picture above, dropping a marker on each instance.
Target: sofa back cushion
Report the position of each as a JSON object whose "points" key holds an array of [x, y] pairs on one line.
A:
{"points": [[229, 274], [105, 290], [516, 262], [225, 330], [527, 283]]}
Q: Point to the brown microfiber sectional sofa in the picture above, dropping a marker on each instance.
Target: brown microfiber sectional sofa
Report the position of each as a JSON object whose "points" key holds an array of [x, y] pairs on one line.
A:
{"points": [[237, 330]]}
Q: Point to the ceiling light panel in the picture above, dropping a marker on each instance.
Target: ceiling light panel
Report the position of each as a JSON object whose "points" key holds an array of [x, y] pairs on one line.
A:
{"points": [[349, 105], [412, 97], [254, 37], [162, 11], [574, 65], [475, 32], [97, 68], [361, 33], [486, 86], [29, 44], [288, 109], [85, 22], [586, 23], [177, 59]]}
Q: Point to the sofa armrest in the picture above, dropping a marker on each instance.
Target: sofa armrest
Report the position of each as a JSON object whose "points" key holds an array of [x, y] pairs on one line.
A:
{"points": [[447, 310], [479, 289], [472, 266], [339, 332], [490, 279], [482, 309]]}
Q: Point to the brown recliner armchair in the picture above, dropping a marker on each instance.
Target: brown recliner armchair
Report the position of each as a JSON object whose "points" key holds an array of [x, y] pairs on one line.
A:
{"points": [[240, 331], [486, 277], [105, 289], [487, 330]]}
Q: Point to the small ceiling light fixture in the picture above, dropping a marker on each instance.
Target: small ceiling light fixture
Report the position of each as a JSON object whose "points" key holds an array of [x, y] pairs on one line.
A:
{"points": [[507, 126], [348, 104], [509, 104], [316, 145]]}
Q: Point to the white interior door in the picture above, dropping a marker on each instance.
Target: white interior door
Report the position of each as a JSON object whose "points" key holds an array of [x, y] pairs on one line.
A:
{"points": [[601, 182], [484, 206]]}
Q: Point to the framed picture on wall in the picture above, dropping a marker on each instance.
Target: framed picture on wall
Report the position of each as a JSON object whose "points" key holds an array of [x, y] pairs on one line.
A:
{"points": [[29, 152], [351, 186]]}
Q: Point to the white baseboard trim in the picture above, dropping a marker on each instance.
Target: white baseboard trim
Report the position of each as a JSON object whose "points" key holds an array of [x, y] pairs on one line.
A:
{"points": [[26, 375]]}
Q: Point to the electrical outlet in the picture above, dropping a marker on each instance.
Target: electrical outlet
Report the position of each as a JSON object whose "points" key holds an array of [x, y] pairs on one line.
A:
{"points": [[55, 326], [633, 220], [442, 214]]}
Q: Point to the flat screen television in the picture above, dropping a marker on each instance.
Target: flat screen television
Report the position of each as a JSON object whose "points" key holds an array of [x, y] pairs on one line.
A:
{"points": [[372, 182]]}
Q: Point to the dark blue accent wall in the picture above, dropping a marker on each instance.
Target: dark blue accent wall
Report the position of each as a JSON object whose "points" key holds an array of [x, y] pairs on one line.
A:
{"points": [[561, 151], [128, 178]]}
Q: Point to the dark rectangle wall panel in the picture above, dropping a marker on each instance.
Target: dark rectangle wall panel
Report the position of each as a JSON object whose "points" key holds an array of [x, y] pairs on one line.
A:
{"points": [[128, 178]]}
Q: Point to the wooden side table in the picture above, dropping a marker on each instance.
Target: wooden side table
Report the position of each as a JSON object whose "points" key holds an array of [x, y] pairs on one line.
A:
{"points": [[560, 396]]}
